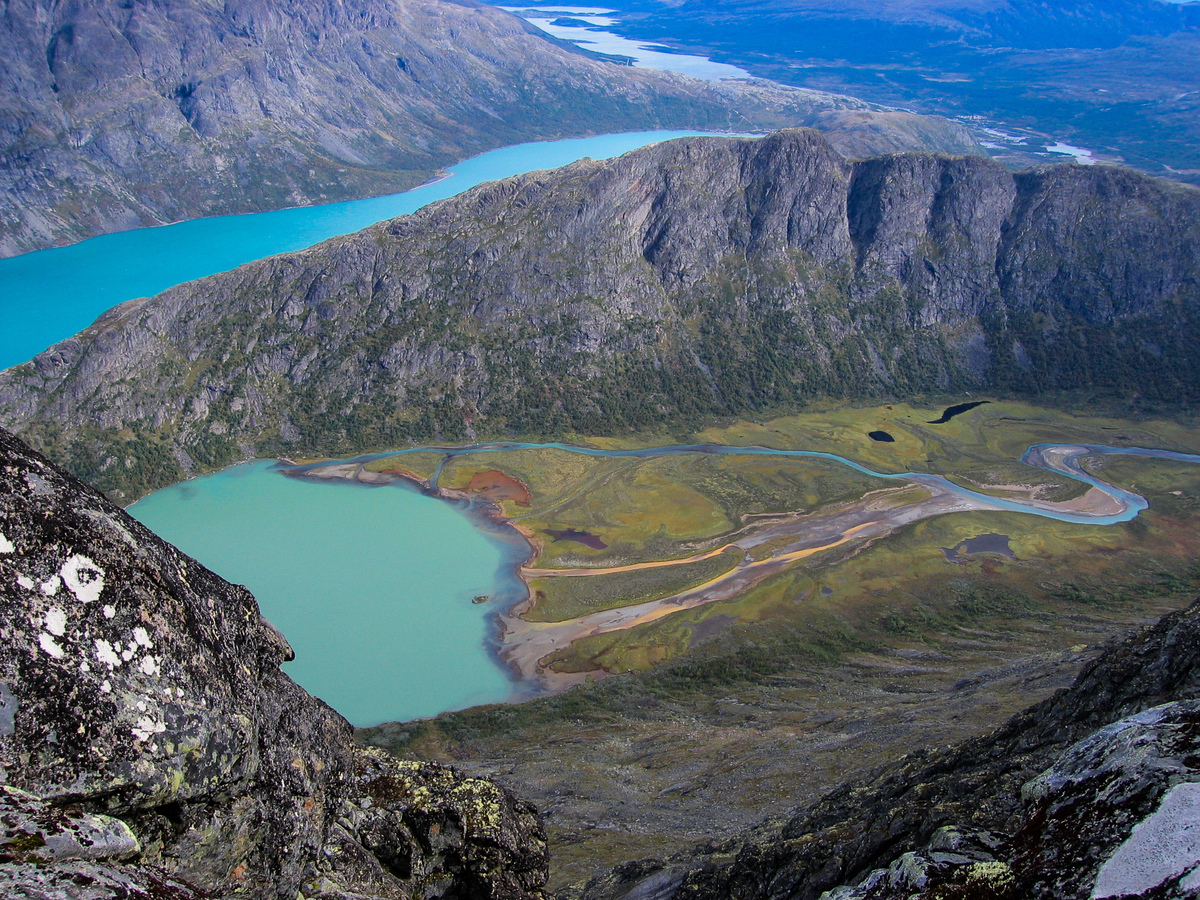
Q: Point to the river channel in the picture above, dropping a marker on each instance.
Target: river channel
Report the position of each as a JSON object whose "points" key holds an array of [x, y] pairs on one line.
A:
{"points": [[372, 578]]}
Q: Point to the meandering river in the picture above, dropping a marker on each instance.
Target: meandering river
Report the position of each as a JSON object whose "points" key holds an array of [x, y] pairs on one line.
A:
{"points": [[373, 581], [375, 588]]}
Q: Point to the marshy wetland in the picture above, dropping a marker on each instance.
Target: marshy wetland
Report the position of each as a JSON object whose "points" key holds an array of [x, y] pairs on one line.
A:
{"points": [[921, 633], [636, 551], [816, 675]]}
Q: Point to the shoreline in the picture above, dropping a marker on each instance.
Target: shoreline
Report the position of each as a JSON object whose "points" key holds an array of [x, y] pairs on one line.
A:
{"points": [[519, 646], [485, 514]]}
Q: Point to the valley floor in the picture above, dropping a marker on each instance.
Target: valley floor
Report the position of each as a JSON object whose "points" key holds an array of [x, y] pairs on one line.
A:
{"points": [[841, 661]]}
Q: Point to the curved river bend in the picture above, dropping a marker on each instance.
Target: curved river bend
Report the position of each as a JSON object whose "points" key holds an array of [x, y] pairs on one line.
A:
{"points": [[374, 586]]}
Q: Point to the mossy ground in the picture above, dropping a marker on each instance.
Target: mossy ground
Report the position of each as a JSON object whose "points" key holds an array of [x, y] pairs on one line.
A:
{"points": [[634, 511], [842, 662]]}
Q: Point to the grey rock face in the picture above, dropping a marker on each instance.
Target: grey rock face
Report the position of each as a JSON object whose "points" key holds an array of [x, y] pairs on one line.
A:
{"points": [[687, 280], [1115, 816], [121, 114], [1061, 801], [147, 729], [1118, 813]]}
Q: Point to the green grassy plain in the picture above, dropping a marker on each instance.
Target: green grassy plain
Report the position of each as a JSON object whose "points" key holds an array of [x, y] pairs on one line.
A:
{"points": [[673, 507]]}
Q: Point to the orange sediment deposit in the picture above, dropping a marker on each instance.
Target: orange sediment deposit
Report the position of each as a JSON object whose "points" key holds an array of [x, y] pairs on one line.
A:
{"points": [[497, 486], [582, 571]]}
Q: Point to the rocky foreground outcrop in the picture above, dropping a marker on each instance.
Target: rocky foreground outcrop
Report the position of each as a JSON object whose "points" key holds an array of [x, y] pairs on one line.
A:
{"points": [[150, 746], [684, 281], [1094, 792]]}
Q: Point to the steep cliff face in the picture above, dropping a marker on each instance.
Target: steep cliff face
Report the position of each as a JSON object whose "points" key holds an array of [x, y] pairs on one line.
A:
{"points": [[690, 279], [150, 746], [120, 114], [1091, 793]]}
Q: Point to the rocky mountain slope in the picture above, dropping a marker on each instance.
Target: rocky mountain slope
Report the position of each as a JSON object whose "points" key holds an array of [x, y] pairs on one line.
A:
{"points": [[150, 746], [686, 280], [119, 114], [1089, 793]]}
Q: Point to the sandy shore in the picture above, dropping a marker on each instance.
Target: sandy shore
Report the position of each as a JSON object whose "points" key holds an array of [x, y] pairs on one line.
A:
{"points": [[525, 645]]}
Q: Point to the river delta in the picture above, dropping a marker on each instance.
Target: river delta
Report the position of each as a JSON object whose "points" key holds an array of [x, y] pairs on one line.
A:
{"points": [[602, 556]]}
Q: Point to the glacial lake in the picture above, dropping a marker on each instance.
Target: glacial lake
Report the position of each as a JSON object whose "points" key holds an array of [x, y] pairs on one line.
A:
{"points": [[50, 295], [592, 33], [372, 585]]}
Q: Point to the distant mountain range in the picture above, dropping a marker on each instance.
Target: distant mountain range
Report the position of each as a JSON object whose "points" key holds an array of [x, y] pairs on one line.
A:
{"points": [[1120, 77], [687, 280], [115, 115]]}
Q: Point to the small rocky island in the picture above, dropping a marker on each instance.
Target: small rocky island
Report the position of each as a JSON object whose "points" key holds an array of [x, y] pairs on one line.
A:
{"points": [[151, 747]]}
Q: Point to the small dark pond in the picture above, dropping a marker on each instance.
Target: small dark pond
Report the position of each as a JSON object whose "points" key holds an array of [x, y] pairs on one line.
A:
{"points": [[951, 411], [984, 543], [580, 537], [881, 436]]}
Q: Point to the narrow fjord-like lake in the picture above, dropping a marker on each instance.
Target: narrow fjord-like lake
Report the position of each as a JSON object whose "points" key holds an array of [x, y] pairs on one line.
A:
{"points": [[52, 294], [373, 586]]}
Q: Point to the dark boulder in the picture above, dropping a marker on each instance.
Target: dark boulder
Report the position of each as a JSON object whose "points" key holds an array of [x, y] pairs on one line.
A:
{"points": [[149, 741]]}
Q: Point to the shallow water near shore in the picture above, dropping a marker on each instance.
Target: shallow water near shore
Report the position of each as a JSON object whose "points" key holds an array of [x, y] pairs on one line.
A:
{"points": [[372, 585]]}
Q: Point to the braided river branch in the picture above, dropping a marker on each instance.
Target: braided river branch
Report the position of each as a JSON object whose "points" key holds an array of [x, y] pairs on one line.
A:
{"points": [[773, 543]]}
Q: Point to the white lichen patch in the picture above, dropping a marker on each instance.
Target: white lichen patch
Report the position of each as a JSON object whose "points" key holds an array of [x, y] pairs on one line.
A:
{"points": [[83, 578], [147, 727], [26, 582], [149, 665], [56, 621], [141, 638], [106, 686], [106, 654], [109, 611], [50, 586], [6, 546], [1163, 845], [994, 877], [50, 646]]}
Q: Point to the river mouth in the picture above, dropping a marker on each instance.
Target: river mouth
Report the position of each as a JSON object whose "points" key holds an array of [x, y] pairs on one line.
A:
{"points": [[521, 649]]}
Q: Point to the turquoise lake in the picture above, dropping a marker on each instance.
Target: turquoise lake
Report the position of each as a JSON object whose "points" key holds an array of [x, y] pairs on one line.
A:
{"points": [[372, 585], [51, 294]]}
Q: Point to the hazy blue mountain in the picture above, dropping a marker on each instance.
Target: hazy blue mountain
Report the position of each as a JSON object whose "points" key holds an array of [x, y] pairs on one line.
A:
{"points": [[1120, 77]]}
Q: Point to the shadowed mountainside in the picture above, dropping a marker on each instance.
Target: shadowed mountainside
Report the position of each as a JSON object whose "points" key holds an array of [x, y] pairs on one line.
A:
{"points": [[1016, 813]]}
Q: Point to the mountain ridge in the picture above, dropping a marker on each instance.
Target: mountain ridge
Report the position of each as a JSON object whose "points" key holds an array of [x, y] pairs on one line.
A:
{"points": [[119, 115], [687, 280]]}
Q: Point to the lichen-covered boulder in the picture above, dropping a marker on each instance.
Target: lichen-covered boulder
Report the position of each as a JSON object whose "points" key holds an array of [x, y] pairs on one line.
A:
{"points": [[142, 709], [1119, 814]]}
